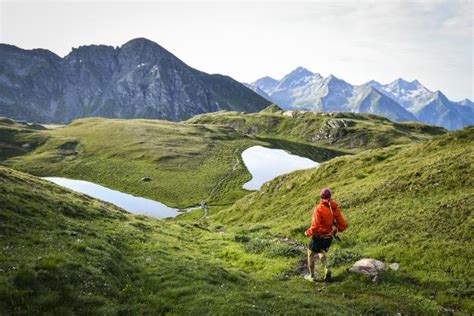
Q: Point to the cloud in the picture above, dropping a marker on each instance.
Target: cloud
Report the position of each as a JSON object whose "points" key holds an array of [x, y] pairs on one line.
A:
{"points": [[357, 40]]}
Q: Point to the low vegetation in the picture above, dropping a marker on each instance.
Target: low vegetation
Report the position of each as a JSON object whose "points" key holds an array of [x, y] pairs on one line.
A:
{"points": [[186, 163], [65, 253], [349, 131], [406, 204]]}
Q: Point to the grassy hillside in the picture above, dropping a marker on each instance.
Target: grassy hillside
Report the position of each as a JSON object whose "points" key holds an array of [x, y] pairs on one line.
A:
{"points": [[186, 163], [351, 131], [65, 253], [18, 139], [407, 204]]}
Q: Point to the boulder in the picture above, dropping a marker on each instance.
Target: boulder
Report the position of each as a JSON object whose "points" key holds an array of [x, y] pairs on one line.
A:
{"points": [[146, 179], [368, 266]]}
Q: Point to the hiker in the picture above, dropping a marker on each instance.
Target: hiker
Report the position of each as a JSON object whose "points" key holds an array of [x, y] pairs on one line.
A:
{"points": [[205, 208], [327, 221]]}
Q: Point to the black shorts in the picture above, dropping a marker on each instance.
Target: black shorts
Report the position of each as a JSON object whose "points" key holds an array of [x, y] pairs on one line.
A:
{"points": [[316, 244]]}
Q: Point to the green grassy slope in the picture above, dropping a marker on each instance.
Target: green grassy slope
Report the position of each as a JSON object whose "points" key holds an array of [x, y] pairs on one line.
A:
{"points": [[64, 253], [186, 163], [351, 131], [408, 204], [17, 139]]}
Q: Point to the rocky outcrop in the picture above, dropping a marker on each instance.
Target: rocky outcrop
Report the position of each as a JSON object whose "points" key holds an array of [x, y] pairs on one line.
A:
{"points": [[140, 79], [334, 130]]}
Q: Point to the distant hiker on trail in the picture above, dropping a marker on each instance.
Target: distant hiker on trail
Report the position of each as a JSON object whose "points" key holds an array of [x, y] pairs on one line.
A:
{"points": [[204, 208], [327, 221]]}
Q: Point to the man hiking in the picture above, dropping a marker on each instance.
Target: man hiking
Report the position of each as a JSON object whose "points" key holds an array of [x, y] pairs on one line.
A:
{"points": [[327, 221]]}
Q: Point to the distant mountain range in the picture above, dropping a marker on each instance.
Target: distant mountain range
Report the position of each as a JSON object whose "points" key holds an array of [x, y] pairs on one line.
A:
{"points": [[140, 79], [399, 100]]}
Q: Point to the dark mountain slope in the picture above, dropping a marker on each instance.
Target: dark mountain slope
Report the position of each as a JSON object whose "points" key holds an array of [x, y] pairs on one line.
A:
{"points": [[140, 79]]}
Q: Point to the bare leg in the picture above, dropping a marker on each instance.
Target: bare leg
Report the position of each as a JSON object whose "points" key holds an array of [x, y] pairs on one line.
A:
{"points": [[327, 272], [311, 263], [322, 258]]}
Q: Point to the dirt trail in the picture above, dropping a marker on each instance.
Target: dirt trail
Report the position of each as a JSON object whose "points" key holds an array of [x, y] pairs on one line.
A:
{"points": [[301, 267]]}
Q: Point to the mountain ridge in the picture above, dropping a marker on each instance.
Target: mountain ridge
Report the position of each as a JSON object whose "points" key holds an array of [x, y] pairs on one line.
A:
{"points": [[139, 79], [398, 100]]}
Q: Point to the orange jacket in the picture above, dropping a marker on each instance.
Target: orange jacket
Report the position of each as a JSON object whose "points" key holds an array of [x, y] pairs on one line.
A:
{"points": [[321, 224]]}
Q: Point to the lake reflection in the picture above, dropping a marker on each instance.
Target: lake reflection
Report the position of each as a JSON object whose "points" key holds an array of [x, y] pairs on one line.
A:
{"points": [[265, 164], [130, 203]]}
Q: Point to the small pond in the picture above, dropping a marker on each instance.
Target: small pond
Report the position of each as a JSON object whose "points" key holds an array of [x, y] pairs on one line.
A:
{"points": [[128, 202], [265, 164]]}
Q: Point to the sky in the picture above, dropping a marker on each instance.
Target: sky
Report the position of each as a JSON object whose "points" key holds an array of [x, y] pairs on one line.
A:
{"points": [[428, 40]]}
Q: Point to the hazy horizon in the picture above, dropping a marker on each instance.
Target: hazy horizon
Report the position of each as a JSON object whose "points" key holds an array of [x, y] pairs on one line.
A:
{"points": [[431, 41]]}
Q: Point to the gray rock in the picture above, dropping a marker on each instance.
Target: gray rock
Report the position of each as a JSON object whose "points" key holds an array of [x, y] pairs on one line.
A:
{"points": [[145, 179], [368, 266]]}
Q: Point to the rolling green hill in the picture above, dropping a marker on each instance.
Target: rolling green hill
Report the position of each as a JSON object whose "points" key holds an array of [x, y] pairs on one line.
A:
{"points": [[407, 204], [65, 253], [186, 162], [18, 139], [351, 131]]}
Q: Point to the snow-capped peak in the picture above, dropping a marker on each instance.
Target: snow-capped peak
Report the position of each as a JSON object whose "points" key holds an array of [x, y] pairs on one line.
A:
{"points": [[301, 71], [398, 100]]}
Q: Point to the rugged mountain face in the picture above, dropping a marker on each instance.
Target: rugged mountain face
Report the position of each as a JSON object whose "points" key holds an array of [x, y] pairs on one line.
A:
{"points": [[399, 100], [302, 89], [407, 94], [438, 110], [370, 100], [467, 102], [137, 80], [431, 107]]}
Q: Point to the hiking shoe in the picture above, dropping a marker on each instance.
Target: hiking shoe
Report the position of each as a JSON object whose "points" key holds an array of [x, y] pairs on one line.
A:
{"points": [[327, 276], [309, 278]]}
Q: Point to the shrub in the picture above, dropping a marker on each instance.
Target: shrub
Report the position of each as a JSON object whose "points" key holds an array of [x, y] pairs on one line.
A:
{"points": [[343, 256], [298, 230], [25, 278], [283, 250], [257, 245], [241, 238], [257, 228]]}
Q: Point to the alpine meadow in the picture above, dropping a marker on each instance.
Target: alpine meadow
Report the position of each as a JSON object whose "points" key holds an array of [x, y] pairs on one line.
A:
{"points": [[132, 183]]}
